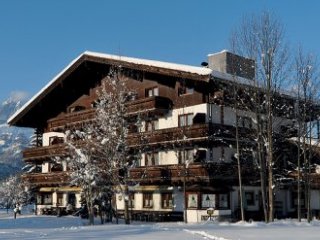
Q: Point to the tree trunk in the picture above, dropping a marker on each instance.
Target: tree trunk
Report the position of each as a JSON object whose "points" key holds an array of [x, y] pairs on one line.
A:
{"points": [[126, 205], [239, 167], [270, 146], [91, 215], [309, 216], [262, 168], [101, 214], [299, 178], [90, 209], [263, 183]]}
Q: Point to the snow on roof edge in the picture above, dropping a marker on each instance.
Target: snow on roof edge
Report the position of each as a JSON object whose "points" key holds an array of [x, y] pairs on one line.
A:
{"points": [[223, 51], [153, 63]]}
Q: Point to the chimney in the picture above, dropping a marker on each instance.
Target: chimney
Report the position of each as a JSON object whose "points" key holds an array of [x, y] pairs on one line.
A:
{"points": [[228, 62]]}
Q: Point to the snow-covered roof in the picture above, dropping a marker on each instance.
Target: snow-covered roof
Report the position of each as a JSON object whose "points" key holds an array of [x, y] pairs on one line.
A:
{"points": [[153, 63], [233, 78], [247, 82], [202, 72]]}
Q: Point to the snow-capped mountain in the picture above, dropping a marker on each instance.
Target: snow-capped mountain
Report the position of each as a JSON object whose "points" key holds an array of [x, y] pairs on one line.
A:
{"points": [[12, 140], [7, 108]]}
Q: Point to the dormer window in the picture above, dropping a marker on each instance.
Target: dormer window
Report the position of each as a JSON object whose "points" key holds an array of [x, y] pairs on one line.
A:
{"points": [[77, 109]]}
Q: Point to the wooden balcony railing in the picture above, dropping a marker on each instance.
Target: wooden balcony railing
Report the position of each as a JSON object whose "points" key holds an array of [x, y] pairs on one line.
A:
{"points": [[314, 178], [47, 179], [195, 132], [195, 172], [155, 105], [71, 118], [173, 173], [40, 153]]}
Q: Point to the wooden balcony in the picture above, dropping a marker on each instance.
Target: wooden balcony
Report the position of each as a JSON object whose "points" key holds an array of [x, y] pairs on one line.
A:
{"points": [[195, 173], [314, 179], [47, 179], [42, 153], [172, 173], [156, 105], [196, 132], [71, 119]]}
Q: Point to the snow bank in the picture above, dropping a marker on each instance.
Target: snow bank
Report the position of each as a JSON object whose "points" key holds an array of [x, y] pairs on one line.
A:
{"points": [[28, 226]]}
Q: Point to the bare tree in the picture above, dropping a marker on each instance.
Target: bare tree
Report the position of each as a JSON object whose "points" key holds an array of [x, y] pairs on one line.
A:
{"points": [[307, 91], [261, 38]]}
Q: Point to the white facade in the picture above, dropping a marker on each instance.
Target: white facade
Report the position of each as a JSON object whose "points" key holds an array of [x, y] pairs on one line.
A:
{"points": [[156, 205], [48, 135]]}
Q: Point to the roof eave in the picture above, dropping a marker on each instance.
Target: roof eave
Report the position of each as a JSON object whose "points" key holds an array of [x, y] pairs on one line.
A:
{"points": [[13, 120], [196, 73]]}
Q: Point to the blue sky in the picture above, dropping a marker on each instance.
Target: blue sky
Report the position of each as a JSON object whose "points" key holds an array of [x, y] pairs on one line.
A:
{"points": [[39, 38]]}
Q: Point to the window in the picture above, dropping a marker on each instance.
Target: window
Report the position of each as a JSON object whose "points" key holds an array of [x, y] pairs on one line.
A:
{"points": [[76, 109], [223, 201], [136, 75], [150, 92], [245, 122], [208, 201], [45, 198], [72, 199], [185, 119], [56, 167], [184, 89], [152, 125], [59, 199], [249, 196], [55, 140], [152, 159], [217, 201], [294, 199], [131, 200], [186, 155], [200, 155], [166, 200], [147, 200], [192, 200]]}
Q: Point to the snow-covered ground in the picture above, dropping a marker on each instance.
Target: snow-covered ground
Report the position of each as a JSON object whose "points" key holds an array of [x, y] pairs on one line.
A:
{"points": [[28, 226]]}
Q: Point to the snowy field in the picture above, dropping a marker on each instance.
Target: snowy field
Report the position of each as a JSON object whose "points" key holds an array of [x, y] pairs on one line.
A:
{"points": [[50, 227]]}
